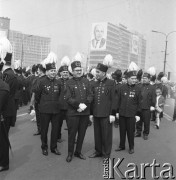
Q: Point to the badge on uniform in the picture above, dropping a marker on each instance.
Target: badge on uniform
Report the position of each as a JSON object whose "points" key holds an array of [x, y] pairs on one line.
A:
{"points": [[56, 88]]}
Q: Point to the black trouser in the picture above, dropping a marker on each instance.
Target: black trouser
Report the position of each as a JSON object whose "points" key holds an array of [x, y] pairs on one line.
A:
{"points": [[127, 126], [17, 104], [174, 115], [145, 119], [45, 120], [38, 118], [76, 124], [9, 122], [103, 135], [4, 146], [63, 116]]}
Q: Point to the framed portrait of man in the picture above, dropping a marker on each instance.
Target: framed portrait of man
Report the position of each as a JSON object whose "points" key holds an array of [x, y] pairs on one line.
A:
{"points": [[98, 36]]}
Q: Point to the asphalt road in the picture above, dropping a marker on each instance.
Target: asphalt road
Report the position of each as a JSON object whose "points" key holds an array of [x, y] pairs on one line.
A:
{"points": [[28, 163]]}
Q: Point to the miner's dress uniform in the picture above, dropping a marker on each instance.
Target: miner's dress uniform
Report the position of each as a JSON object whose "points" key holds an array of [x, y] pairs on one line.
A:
{"points": [[63, 105], [47, 95], [4, 145], [10, 113], [102, 108], [148, 99], [35, 85], [78, 91], [128, 107]]}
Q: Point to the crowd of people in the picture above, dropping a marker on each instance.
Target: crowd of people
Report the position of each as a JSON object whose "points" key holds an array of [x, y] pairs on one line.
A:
{"points": [[128, 100]]}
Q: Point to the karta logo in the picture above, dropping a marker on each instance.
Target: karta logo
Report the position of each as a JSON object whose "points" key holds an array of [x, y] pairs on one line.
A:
{"points": [[112, 169]]}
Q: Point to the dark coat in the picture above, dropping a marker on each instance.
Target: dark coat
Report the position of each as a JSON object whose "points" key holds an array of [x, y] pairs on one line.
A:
{"points": [[129, 98], [103, 98], [62, 100], [47, 95], [10, 78], [78, 91], [148, 98]]}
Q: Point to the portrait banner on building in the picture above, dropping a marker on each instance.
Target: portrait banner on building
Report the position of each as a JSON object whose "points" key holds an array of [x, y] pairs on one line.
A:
{"points": [[98, 36], [135, 45]]}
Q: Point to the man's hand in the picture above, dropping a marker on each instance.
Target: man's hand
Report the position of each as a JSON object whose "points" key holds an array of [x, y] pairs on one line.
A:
{"points": [[82, 106], [91, 118], [137, 118], [117, 115], [79, 110], [111, 118], [152, 108]]}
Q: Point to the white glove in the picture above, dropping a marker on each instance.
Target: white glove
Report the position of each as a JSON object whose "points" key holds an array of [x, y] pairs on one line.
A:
{"points": [[91, 118], [111, 118], [82, 106], [152, 108], [117, 115], [137, 118], [32, 113], [79, 110]]}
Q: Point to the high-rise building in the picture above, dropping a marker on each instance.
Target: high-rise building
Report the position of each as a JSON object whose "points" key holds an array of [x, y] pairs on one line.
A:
{"points": [[4, 26], [30, 49], [125, 46]]}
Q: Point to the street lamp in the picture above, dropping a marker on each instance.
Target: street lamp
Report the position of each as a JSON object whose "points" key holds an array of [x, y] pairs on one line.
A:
{"points": [[165, 52]]}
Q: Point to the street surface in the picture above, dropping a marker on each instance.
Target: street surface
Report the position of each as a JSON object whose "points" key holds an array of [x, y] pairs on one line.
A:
{"points": [[28, 163]]}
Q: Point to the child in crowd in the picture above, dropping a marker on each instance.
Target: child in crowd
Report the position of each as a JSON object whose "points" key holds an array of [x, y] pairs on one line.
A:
{"points": [[159, 107]]}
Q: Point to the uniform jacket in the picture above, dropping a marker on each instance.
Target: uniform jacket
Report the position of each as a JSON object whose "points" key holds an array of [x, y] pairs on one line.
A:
{"points": [[20, 87], [62, 100], [47, 95], [10, 78], [148, 97], [78, 91], [4, 93], [103, 98], [129, 98]]}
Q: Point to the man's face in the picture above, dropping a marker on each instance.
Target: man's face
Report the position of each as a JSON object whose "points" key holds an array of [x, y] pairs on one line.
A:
{"points": [[124, 80], [77, 72], [64, 74], [99, 31], [132, 80], [99, 74], [145, 80], [51, 73]]}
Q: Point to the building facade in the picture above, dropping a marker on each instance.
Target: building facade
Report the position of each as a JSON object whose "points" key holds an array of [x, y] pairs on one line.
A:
{"points": [[30, 49], [125, 46]]}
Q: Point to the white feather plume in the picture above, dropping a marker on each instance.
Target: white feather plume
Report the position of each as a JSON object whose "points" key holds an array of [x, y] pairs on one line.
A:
{"points": [[28, 68], [70, 69], [51, 58], [43, 63], [93, 72], [65, 61], [164, 79], [78, 57], [5, 47], [17, 64], [151, 71], [133, 67], [108, 60]]}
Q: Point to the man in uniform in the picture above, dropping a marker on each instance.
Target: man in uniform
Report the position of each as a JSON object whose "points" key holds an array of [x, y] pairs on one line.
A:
{"points": [[102, 108], [4, 142], [10, 78], [79, 97], [47, 96], [41, 75], [128, 107], [63, 70], [147, 103]]}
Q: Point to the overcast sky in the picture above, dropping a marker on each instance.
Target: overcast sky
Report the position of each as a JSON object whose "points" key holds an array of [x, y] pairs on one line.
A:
{"points": [[68, 23]]}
